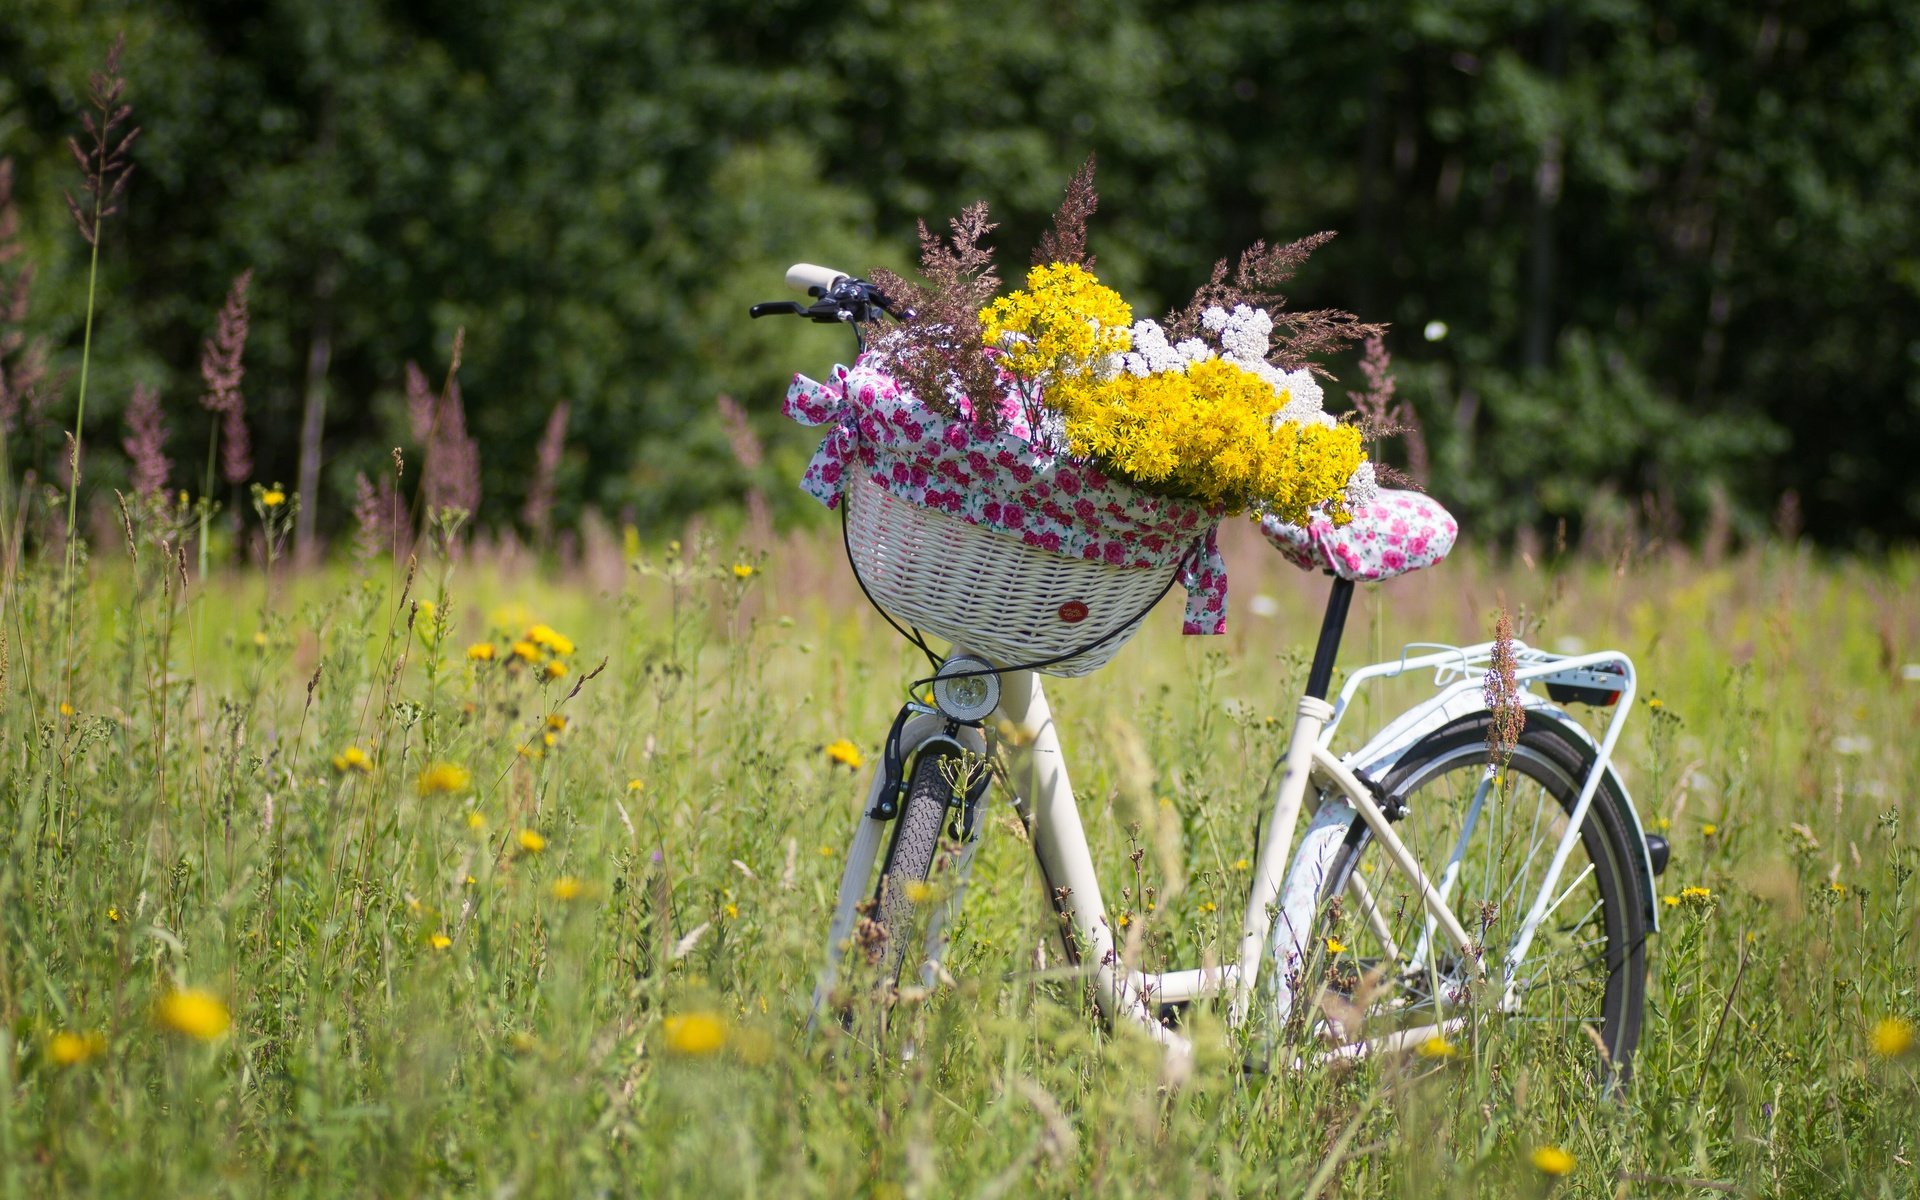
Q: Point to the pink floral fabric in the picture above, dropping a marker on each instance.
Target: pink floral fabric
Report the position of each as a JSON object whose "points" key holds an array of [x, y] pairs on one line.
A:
{"points": [[1002, 481], [1396, 533]]}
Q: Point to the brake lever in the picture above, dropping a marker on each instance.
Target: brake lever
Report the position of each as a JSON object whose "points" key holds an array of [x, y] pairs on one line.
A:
{"points": [[775, 308]]}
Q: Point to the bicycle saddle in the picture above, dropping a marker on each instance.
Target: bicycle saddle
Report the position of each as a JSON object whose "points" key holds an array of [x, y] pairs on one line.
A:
{"points": [[1396, 533]]}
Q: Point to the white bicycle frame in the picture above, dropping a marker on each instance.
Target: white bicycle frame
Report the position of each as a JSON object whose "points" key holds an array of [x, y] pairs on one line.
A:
{"points": [[1282, 904]]}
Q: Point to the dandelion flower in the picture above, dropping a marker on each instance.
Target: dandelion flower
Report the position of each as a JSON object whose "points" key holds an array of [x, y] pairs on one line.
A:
{"points": [[566, 888], [1552, 1160], [526, 651], [695, 1034], [66, 710], [732, 911], [480, 652], [742, 571], [1698, 895], [556, 669], [550, 641], [1336, 946], [72, 1049], [1125, 920], [273, 498], [1241, 864], [444, 778], [1892, 1037], [194, 1012], [845, 753], [353, 758], [636, 785], [1207, 906], [476, 820], [1436, 1047], [1837, 888], [531, 842], [1670, 901], [439, 941]]}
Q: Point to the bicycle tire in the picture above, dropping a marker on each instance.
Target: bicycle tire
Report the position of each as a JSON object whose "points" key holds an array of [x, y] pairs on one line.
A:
{"points": [[1557, 760], [911, 852]]}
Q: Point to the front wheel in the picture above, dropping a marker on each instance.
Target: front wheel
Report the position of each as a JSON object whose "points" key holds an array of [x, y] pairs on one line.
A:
{"points": [[1487, 846]]}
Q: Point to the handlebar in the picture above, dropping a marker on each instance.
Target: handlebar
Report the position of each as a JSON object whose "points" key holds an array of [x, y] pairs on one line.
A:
{"points": [[839, 299]]}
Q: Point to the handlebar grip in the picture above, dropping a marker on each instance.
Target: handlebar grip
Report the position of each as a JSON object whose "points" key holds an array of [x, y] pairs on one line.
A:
{"points": [[804, 277]]}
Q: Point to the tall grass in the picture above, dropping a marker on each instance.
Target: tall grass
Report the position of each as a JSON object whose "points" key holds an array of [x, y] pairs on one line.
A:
{"points": [[489, 920]]}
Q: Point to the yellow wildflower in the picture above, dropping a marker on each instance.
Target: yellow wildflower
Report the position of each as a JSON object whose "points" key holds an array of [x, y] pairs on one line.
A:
{"points": [[1125, 920], [1336, 946], [526, 651], [531, 842], [732, 911], [1241, 864], [695, 1034], [1699, 895], [554, 643], [259, 640], [1207, 906], [1709, 829], [1655, 702], [1661, 824], [353, 758], [1892, 1037], [636, 785], [439, 941], [444, 778], [742, 571], [66, 710], [1436, 1047], [566, 888], [273, 498], [476, 820], [556, 721], [1552, 1160], [194, 1012], [549, 740], [1837, 888], [827, 852], [1670, 901], [72, 1049], [919, 891], [480, 652], [556, 669], [845, 753], [113, 914]]}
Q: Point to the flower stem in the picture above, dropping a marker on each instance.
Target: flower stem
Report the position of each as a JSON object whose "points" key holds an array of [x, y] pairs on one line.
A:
{"points": [[79, 421]]}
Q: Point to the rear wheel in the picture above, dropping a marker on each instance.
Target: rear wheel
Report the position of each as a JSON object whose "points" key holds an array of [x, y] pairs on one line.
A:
{"points": [[1583, 976]]}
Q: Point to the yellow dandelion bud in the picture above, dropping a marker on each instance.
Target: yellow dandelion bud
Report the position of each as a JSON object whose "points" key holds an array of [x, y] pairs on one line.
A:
{"points": [[1336, 946], [193, 1012], [742, 571], [480, 652], [1552, 1160], [272, 498], [844, 753], [1892, 1037], [695, 1034], [566, 888], [72, 1049], [1124, 920], [556, 669], [444, 778], [439, 941], [1436, 1047], [531, 842], [526, 651]]}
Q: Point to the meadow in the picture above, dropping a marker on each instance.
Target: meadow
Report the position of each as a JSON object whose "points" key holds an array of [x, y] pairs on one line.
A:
{"points": [[474, 874]]}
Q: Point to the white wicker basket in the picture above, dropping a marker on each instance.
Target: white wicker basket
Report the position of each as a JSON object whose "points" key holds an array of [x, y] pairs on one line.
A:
{"points": [[989, 591]]}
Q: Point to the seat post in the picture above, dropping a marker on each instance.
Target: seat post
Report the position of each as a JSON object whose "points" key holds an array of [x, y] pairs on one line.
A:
{"points": [[1320, 675]]}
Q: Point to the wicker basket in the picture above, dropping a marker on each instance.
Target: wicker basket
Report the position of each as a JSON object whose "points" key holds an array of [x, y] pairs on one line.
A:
{"points": [[996, 595]]}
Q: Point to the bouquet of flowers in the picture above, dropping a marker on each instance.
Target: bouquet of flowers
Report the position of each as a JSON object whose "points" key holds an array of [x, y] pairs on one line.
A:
{"points": [[1208, 406]]}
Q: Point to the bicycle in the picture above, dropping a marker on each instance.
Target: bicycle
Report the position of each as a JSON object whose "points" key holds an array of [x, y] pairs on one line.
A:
{"points": [[1421, 791]]}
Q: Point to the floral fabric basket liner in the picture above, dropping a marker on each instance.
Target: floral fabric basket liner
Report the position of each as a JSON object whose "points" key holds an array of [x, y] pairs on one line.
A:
{"points": [[1002, 482]]}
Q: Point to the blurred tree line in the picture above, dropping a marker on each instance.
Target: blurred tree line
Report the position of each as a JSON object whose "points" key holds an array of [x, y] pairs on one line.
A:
{"points": [[1643, 261]]}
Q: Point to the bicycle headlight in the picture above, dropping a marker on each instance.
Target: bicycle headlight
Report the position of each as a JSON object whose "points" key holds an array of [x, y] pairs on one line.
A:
{"points": [[966, 689]]}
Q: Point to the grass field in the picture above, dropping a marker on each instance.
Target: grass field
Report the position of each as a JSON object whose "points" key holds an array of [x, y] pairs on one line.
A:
{"points": [[326, 884]]}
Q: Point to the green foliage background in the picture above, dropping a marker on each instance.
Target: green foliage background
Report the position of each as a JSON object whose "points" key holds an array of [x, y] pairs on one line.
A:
{"points": [[1673, 244]]}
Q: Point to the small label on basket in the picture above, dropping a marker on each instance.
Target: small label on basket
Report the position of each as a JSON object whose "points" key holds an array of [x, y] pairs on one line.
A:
{"points": [[1073, 612]]}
